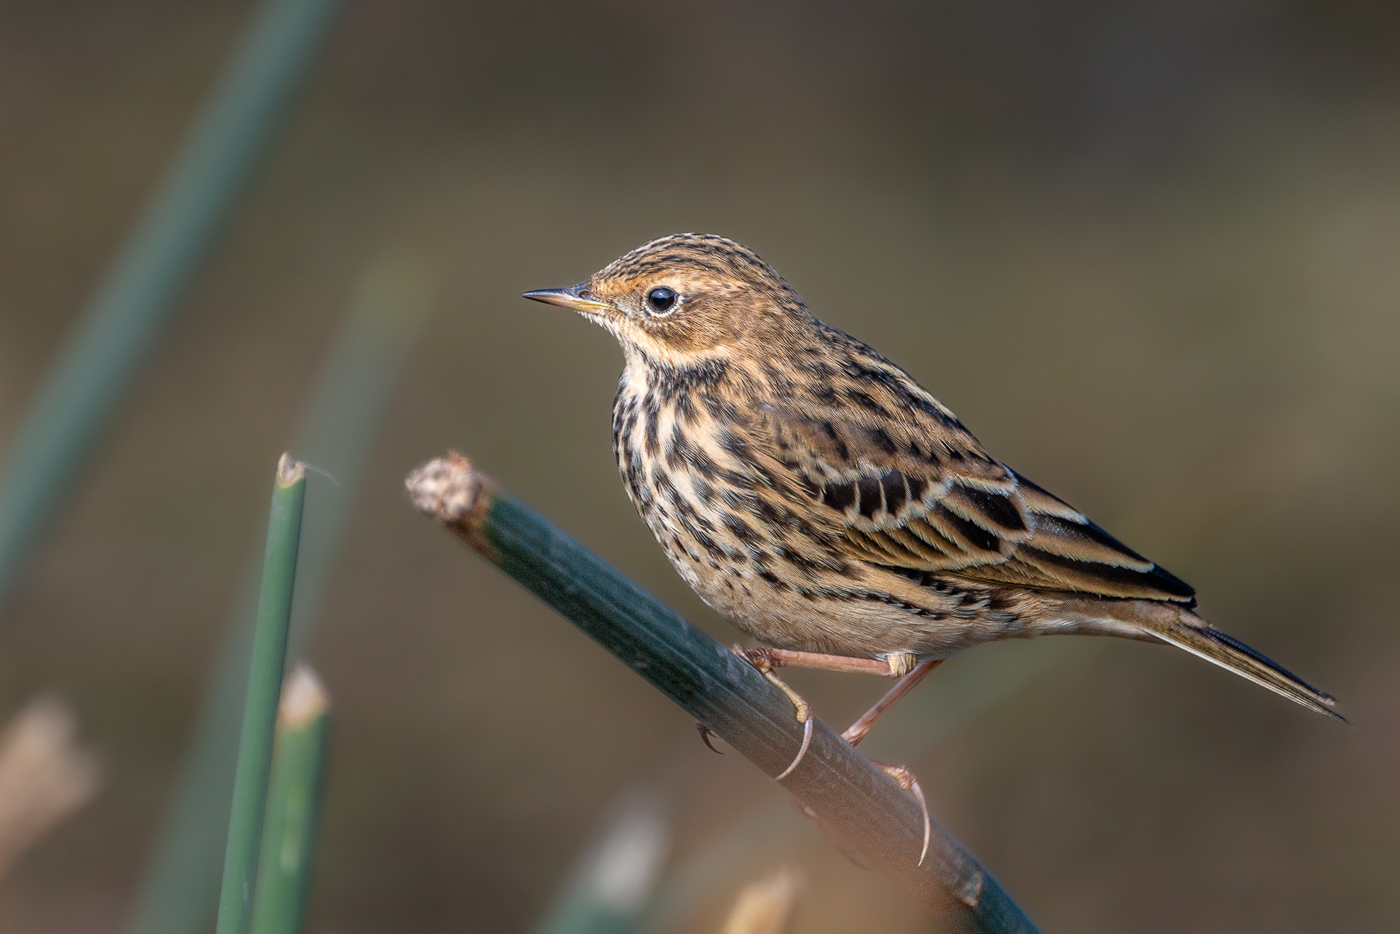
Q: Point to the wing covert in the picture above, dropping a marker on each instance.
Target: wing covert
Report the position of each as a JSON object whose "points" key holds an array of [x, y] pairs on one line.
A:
{"points": [[921, 496]]}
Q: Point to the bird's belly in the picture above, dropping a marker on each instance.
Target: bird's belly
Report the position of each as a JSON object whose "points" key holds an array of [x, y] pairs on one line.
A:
{"points": [[856, 615]]}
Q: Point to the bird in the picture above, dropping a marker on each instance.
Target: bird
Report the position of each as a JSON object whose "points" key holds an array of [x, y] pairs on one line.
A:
{"points": [[818, 497]]}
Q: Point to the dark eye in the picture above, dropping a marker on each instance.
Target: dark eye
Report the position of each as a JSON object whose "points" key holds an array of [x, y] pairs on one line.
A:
{"points": [[661, 299]]}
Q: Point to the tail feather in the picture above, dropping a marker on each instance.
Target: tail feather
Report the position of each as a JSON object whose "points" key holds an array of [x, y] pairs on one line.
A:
{"points": [[1171, 625]]}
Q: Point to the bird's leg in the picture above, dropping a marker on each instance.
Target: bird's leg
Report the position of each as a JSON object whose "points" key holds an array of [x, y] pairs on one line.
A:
{"points": [[856, 731], [901, 665], [760, 659], [893, 665]]}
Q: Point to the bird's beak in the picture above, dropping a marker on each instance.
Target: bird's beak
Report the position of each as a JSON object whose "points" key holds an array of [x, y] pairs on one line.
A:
{"points": [[576, 297]]}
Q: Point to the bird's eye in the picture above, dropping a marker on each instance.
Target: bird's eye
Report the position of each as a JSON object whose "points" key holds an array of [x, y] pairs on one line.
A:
{"points": [[661, 299]]}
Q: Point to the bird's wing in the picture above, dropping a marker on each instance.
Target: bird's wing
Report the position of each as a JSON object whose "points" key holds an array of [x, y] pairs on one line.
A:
{"points": [[907, 487]]}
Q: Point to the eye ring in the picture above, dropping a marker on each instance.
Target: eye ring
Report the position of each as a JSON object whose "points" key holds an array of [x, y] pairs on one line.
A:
{"points": [[662, 300]]}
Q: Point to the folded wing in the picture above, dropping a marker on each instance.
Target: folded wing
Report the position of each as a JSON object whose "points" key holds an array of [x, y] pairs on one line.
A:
{"points": [[918, 494]]}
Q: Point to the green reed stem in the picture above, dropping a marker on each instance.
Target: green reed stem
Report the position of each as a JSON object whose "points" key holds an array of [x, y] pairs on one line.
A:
{"points": [[387, 309], [293, 806], [145, 282], [260, 709], [844, 791]]}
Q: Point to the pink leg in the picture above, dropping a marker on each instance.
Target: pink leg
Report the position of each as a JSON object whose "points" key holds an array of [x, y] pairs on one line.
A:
{"points": [[856, 731], [901, 665], [894, 665]]}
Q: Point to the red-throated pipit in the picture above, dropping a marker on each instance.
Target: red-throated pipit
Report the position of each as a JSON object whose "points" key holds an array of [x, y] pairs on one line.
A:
{"points": [[813, 493]]}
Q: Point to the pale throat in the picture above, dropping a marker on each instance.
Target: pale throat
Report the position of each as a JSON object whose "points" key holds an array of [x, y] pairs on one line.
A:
{"points": [[644, 359]]}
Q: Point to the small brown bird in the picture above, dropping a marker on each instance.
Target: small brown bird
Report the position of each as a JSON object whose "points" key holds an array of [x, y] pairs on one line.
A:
{"points": [[812, 492]]}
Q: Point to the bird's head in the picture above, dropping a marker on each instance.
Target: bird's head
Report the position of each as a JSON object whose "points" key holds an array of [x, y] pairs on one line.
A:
{"points": [[685, 299]]}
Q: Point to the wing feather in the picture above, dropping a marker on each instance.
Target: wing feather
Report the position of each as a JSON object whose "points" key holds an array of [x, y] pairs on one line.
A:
{"points": [[918, 494]]}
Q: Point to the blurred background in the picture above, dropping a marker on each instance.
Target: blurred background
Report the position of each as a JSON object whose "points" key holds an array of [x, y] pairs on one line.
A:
{"points": [[1150, 254]]}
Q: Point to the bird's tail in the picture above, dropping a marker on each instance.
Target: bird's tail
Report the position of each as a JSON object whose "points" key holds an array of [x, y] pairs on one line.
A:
{"points": [[1185, 630]]}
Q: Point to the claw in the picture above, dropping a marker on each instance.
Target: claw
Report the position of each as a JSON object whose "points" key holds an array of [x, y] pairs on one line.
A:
{"points": [[910, 784], [705, 734], [801, 751]]}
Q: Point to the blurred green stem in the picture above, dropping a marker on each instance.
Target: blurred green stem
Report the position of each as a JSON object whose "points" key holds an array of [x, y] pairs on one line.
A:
{"points": [[845, 792], [294, 792], [613, 883], [260, 708], [162, 255]]}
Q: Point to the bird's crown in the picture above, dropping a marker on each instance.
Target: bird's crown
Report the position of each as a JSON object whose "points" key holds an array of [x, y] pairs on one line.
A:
{"points": [[699, 256]]}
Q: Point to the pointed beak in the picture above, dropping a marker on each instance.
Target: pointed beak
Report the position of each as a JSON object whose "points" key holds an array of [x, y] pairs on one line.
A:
{"points": [[576, 297]]}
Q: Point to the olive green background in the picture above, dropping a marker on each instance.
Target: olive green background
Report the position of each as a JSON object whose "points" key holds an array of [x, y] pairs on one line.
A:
{"points": [[1149, 253]]}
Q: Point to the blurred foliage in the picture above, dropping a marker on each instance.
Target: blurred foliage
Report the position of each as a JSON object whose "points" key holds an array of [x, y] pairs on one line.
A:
{"points": [[165, 251], [1115, 239], [613, 882], [44, 776]]}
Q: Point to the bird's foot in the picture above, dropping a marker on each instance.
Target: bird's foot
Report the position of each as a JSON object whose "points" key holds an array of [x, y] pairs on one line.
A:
{"points": [[910, 784], [902, 665], [763, 659]]}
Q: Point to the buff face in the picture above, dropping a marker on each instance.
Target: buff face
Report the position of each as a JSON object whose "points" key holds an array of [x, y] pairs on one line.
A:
{"points": [[707, 299]]}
